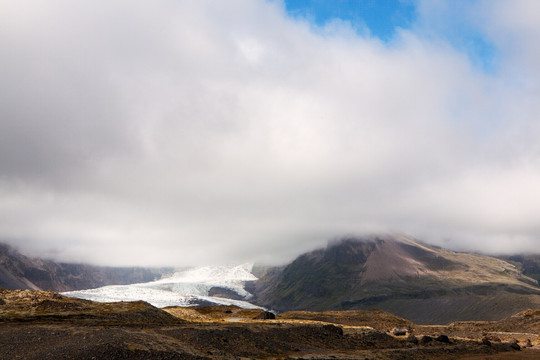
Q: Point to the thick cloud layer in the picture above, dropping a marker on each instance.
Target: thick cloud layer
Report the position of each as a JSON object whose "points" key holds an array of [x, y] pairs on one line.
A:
{"points": [[188, 132]]}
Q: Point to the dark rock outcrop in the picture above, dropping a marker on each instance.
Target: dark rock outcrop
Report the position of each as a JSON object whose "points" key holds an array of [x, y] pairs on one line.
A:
{"points": [[399, 331], [443, 338], [224, 293], [336, 330], [412, 339], [514, 344], [265, 315]]}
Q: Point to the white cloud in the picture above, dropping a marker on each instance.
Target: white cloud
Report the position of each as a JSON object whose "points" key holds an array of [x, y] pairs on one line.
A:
{"points": [[183, 132]]}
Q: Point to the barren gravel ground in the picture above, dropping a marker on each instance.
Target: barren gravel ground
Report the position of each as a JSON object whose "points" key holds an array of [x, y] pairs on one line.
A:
{"points": [[44, 325], [64, 341]]}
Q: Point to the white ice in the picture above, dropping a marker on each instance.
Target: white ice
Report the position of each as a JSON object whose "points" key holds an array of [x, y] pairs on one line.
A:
{"points": [[183, 288]]}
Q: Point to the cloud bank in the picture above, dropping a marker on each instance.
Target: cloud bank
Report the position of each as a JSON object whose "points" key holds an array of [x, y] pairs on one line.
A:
{"points": [[189, 132]]}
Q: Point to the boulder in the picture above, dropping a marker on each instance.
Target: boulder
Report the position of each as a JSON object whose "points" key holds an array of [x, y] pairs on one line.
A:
{"points": [[333, 329], [265, 315], [399, 331], [412, 339], [514, 344], [443, 338], [495, 339], [425, 340]]}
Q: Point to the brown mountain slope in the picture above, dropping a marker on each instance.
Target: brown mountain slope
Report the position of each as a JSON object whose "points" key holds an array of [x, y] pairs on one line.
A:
{"points": [[417, 281], [529, 264], [18, 271]]}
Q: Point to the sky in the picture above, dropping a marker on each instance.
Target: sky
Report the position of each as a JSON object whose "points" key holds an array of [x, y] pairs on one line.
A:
{"points": [[380, 18], [178, 132]]}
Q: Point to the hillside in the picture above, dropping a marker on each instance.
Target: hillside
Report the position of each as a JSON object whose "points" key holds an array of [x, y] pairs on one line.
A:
{"points": [[47, 306], [18, 271], [529, 264], [423, 283]]}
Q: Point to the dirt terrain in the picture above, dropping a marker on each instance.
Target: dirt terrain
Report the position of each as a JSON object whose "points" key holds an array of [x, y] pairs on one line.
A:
{"points": [[45, 325], [377, 319]]}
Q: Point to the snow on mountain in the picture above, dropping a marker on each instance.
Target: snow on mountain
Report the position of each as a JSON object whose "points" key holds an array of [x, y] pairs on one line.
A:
{"points": [[183, 288]]}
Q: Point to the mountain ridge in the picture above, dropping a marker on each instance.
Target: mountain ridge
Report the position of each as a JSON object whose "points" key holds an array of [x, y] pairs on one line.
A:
{"points": [[18, 271], [424, 283], [396, 273]]}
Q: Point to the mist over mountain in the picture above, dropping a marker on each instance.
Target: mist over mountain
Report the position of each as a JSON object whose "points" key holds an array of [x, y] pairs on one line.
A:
{"points": [[132, 130], [396, 273], [424, 283], [200, 153], [18, 271]]}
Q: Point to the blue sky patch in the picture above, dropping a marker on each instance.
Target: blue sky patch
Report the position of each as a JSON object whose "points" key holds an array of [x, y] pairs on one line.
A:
{"points": [[381, 17], [384, 17]]}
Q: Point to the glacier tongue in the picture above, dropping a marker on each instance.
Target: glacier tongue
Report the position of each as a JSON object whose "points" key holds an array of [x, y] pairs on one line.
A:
{"points": [[183, 288]]}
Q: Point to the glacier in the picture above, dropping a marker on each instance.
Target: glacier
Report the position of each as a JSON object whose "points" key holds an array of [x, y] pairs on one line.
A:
{"points": [[184, 288]]}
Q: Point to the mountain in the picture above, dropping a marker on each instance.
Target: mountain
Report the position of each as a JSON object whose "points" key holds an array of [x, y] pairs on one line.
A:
{"points": [[18, 271], [208, 285], [423, 283], [420, 282]]}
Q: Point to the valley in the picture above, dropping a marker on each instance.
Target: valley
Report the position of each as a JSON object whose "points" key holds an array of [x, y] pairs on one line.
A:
{"points": [[377, 297], [395, 273]]}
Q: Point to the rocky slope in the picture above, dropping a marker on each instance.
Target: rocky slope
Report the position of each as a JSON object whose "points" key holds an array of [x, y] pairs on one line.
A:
{"points": [[40, 306], [18, 271], [529, 264], [423, 283]]}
